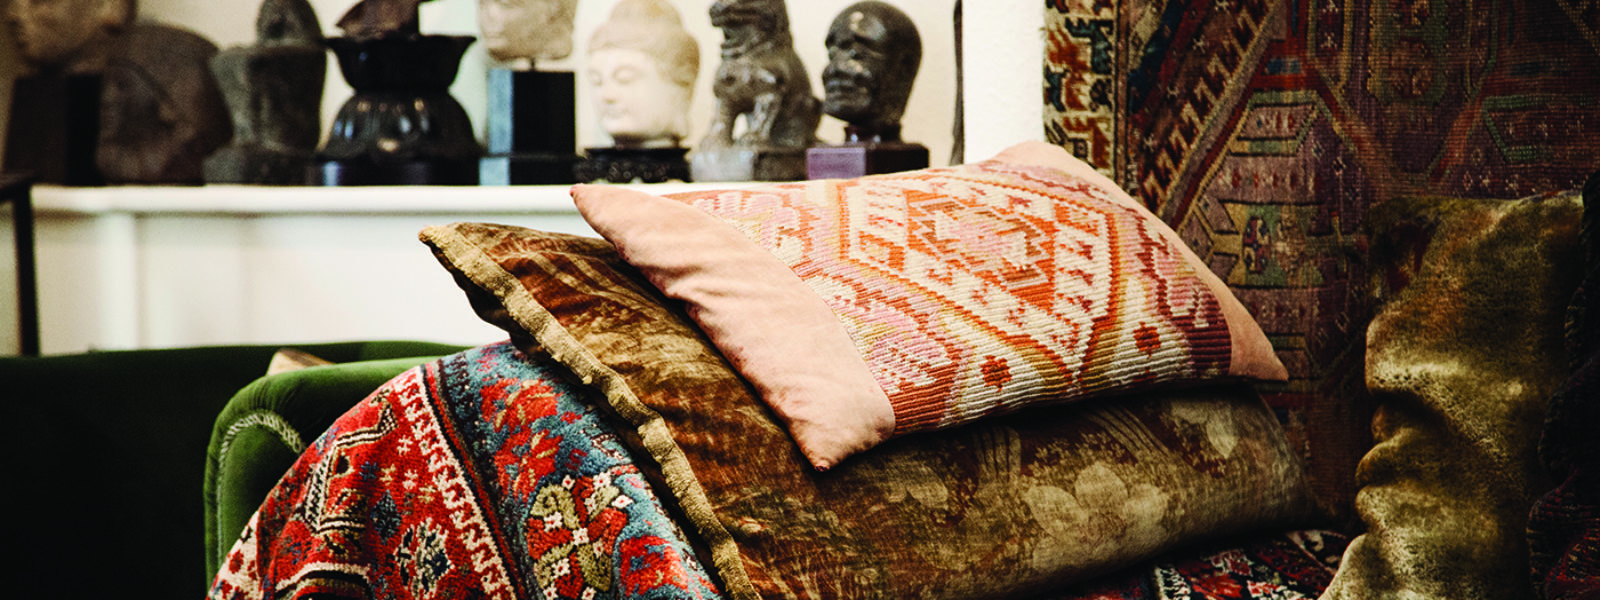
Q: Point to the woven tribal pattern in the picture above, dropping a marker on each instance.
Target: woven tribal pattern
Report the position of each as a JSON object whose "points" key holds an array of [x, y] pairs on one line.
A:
{"points": [[484, 474], [1265, 131], [1293, 566], [972, 290]]}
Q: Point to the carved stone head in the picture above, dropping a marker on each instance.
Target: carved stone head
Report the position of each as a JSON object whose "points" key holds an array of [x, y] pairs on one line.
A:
{"points": [[642, 67], [523, 32], [873, 55], [72, 35]]}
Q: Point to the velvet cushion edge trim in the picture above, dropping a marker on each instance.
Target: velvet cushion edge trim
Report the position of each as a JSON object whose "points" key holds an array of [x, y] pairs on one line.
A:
{"points": [[566, 349]]}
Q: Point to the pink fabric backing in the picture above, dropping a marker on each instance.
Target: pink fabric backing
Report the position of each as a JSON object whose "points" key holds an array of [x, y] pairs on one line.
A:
{"points": [[800, 360]]}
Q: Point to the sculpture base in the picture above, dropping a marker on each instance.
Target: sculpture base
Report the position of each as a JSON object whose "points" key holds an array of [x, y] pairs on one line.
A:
{"points": [[625, 165], [54, 129], [864, 158], [407, 172], [531, 112], [256, 166], [748, 164], [528, 169]]}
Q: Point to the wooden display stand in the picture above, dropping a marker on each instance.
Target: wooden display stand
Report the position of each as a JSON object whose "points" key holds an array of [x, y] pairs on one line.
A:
{"points": [[865, 152]]}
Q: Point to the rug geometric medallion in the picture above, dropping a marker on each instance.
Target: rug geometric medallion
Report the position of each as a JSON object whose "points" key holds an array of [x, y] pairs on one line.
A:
{"points": [[1263, 131]]}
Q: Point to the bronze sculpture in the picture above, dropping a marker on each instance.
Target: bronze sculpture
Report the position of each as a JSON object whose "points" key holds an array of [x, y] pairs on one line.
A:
{"points": [[401, 126], [762, 81], [274, 94], [873, 55]]}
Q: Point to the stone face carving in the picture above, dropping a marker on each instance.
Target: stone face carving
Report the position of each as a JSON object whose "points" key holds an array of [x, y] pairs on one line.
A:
{"points": [[762, 81], [523, 32], [153, 108], [274, 95], [74, 36], [873, 55], [54, 120], [642, 68], [161, 113]]}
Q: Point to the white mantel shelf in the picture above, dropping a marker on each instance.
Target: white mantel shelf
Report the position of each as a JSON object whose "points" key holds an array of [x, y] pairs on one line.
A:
{"points": [[156, 267], [246, 200]]}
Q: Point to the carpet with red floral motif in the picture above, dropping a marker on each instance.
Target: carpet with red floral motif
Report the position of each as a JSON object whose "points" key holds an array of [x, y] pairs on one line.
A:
{"points": [[485, 474]]}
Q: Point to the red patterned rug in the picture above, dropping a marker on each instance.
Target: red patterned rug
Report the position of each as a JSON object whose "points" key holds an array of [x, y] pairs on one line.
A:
{"points": [[1294, 566], [1263, 130], [486, 474]]}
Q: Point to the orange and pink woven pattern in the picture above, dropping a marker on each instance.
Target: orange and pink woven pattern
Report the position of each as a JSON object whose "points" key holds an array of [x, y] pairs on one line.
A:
{"points": [[974, 290], [868, 308]]}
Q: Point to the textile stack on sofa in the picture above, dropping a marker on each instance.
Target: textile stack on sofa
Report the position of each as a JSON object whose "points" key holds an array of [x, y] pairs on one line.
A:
{"points": [[999, 380], [984, 381]]}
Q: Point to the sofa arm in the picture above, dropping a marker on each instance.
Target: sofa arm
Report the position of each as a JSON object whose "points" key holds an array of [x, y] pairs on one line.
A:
{"points": [[263, 429]]}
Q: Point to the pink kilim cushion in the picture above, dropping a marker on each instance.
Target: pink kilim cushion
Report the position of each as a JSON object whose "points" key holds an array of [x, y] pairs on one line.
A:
{"points": [[874, 307]]}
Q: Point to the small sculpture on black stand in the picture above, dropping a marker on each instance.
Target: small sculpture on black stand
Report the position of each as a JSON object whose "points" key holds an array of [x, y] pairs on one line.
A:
{"points": [[532, 114], [54, 121], [873, 55], [762, 80], [108, 101], [401, 126], [274, 92], [642, 67]]}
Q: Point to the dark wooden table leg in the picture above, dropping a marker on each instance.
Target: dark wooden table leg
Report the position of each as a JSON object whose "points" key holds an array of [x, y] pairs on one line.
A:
{"points": [[19, 192]]}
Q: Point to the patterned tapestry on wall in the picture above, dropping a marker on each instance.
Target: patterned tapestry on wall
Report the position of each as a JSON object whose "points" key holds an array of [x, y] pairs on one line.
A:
{"points": [[1262, 130]]}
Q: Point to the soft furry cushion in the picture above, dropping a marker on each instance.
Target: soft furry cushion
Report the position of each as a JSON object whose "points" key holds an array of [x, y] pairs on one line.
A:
{"points": [[1462, 362], [999, 507], [1564, 526], [868, 308]]}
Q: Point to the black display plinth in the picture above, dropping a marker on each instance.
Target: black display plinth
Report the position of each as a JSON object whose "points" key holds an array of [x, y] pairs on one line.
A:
{"points": [[528, 169], [401, 127], [415, 172], [532, 128], [54, 129], [625, 165], [865, 151]]}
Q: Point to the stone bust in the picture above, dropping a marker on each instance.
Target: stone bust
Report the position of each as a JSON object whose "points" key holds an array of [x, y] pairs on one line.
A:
{"points": [[523, 32], [873, 54], [642, 68], [161, 112], [74, 36]]}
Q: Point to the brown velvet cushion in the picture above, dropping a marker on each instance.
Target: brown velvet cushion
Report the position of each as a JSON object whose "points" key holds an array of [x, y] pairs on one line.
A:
{"points": [[1461, 363], [1017, 503]]}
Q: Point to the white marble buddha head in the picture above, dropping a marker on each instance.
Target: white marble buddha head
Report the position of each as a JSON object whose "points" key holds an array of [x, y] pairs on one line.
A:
{"points": [[642, 65]]}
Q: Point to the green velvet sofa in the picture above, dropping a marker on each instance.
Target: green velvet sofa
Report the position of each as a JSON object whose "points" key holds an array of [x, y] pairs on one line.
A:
{"points": [[112, 448]]}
